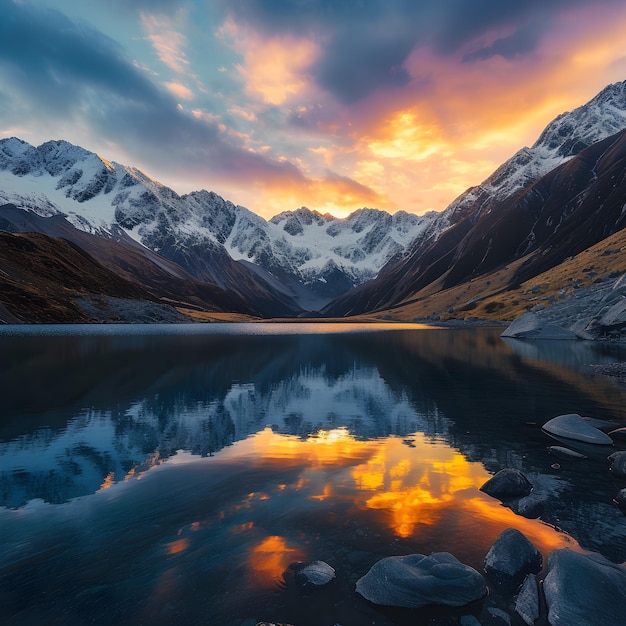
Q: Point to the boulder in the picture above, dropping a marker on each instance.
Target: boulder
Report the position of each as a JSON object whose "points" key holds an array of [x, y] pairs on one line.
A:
{"points": [[584, 589], [530, 507], [314, 574], [565, 454], [507, 483], [532, 326], [527, 602], [618, 464], [511, 558], [416, 580], [573, 426]]}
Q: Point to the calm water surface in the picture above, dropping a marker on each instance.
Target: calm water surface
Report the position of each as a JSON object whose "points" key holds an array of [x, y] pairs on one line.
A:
{"points": [[171, 475]]}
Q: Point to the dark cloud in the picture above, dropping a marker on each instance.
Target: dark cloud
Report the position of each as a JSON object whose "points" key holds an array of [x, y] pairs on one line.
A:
{"points": [[520, 42], [366, 42]]}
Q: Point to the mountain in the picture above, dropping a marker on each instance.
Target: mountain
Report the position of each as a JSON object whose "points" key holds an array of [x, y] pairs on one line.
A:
{"points": [[299, 260], [52, 272], [547, 203]]}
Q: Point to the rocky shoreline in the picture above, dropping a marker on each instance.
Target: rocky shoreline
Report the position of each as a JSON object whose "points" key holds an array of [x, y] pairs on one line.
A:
{"points": [[571, 588]]}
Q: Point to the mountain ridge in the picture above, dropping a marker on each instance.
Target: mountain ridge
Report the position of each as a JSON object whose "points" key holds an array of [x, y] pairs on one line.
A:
{"points": [[439, 255], [315, 257]]}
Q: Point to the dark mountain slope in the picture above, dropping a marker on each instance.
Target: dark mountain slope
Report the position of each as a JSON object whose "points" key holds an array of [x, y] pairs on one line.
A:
{"points": [[564, 212], [41, 277]]}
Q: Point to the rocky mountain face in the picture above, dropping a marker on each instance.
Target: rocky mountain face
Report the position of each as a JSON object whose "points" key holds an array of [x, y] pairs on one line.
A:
{"points": [[299, 260], [552, 200]]}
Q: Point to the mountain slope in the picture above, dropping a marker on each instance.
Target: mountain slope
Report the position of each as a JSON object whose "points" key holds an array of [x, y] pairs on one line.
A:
{"points": [[530, 203], [301, 259], [163, 280]]}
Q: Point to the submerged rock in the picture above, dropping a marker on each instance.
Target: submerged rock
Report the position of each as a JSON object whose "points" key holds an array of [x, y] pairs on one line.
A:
{"points": [[618, 464], [584, 589], [527, 601], [416, 580], [507, 483], [315, 574], [565, 454], [573, 426], [511, 558], [620, 500], [619, 434], [530, 507]]}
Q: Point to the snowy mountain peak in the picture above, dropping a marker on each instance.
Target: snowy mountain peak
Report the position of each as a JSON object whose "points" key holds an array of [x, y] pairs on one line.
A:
{"points": [[571, 132], [313, 257]]}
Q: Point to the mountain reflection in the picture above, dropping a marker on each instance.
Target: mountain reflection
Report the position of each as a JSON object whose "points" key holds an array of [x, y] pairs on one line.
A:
{"points": [[413, 418]]}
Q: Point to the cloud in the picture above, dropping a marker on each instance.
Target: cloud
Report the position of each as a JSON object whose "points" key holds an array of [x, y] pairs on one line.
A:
{"points": [[364, 44], [180, 91], [70, 71], [167, 42]]}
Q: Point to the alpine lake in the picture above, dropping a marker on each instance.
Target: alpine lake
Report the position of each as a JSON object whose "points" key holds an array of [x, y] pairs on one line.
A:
{"points": [[175, 474]]}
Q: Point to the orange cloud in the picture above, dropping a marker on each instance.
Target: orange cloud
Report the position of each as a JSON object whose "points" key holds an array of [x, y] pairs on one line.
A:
{"points": [[273, 69], [180, 91]]}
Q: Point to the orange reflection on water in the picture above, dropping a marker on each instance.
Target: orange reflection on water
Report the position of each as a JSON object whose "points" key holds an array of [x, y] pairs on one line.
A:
{"points": [[109, 481], [270, 558], [412, 484], [178, 546], [334, 447], [407, 484], [494, 517]]}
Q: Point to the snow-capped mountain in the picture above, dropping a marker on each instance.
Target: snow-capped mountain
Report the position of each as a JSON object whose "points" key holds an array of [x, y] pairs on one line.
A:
{"points": [[517, 210], [563, 138], [310, 257]]}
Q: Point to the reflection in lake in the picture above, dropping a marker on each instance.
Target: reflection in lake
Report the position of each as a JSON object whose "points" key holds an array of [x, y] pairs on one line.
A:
{"points": [[173, 478]]}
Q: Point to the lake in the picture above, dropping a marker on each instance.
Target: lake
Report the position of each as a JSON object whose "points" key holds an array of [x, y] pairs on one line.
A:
{"points": [[173, 474]]}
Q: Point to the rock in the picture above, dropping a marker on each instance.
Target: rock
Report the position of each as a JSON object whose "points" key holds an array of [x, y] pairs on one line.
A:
{"points": [[469, 620], [416, 580], [511, 558], [530, 507], [573, 426], [500, 616], [620, 500], [565, 453], [618, 464], [619, 434], [531, 326], [527, 602], [584, 589], [315, 574], [507, 483]]}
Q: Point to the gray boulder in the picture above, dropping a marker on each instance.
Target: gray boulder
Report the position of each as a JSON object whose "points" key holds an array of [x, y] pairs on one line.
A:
{"points": [[511, 558], [532, 326], [618, 464], [507, 483], [527, 602], [530, 507], [565, 454], [573, 426], [416, 580], [584, 589], [314, 574]]}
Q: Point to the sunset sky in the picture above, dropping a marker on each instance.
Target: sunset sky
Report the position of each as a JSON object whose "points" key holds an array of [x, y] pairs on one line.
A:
{"points": [[330, 104]]}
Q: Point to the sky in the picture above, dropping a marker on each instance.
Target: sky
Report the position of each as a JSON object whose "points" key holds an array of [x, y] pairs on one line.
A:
{"points": [[330, 104]]}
